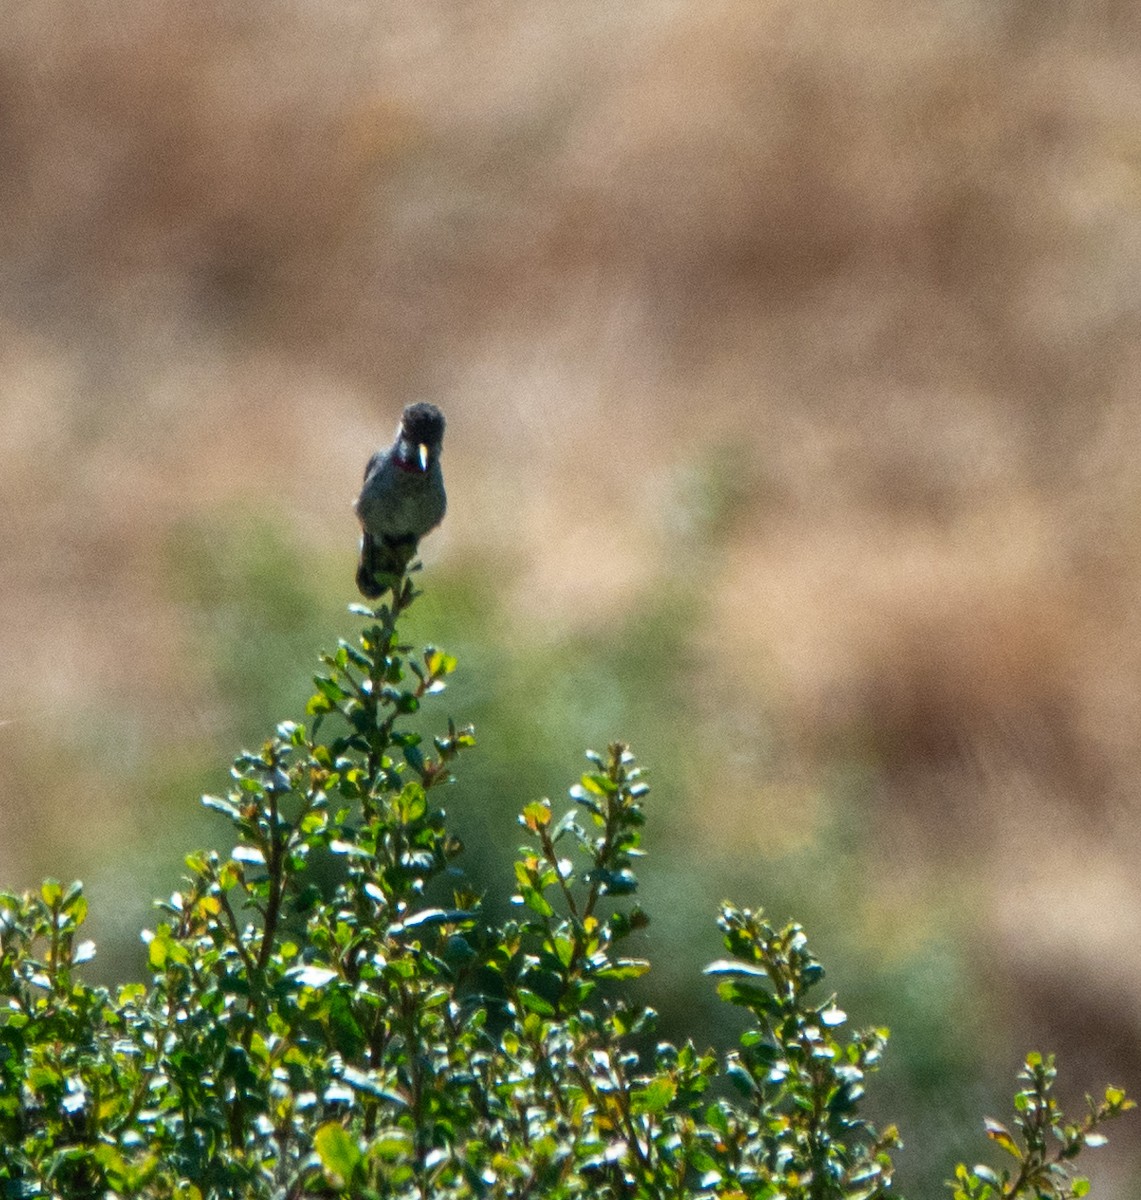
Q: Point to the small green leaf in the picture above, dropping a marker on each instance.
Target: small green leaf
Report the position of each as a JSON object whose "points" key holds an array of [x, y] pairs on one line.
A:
{"points": [[329, 687], [622, 968], [537, 815], [391, 1145], [997, 1132], [655, 1097], [598, 784], [715, 1118], [535, 1003], [313, 976], [411, 804], [536, 901], [362, 1081], [429, 917], [438, 663], [338, 1152], [988, 1175], [218, 804], [729, 966]]}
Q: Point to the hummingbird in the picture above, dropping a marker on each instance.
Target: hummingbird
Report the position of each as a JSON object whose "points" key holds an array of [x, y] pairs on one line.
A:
{"points": [[402, 499]]}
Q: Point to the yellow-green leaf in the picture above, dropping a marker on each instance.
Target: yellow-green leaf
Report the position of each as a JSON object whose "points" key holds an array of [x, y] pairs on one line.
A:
{"points": [[338, 1152], [997, 1132]]}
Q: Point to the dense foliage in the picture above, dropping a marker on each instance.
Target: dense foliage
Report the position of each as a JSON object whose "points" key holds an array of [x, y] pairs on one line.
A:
{"points": [[330, 1012]]}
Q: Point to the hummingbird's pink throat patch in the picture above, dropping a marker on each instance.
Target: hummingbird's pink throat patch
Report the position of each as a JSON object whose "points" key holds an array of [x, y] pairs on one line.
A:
{"points": [[415, 462]]}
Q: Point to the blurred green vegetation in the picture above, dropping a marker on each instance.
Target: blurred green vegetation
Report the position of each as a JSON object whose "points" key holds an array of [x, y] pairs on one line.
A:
{"points": [[259, 608], [354, 1032], [258, 611]]}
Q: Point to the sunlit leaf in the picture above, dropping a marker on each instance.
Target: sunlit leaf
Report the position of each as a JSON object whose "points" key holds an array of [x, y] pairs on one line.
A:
{"points": [[338, 1151], [312, 976]]}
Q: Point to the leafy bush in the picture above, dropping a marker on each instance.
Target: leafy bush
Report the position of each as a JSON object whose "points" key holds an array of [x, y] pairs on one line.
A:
{"points": [[330, 1013]]}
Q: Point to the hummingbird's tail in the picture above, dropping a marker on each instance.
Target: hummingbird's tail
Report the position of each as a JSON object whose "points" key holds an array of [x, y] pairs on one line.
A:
{"points": [[383, 563]]}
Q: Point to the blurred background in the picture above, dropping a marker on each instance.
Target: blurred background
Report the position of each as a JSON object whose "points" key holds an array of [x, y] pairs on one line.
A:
{"points": [[790, 357]]}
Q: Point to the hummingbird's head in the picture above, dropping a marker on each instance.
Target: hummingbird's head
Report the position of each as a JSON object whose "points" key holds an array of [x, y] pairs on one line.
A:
{"points": [[422, 431]]}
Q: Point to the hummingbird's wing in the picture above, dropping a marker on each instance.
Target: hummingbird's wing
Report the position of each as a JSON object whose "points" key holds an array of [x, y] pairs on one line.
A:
{"points": [[373, 463]]}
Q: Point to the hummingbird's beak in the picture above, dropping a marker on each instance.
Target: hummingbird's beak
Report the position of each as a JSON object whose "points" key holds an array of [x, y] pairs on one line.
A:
{"points": [[422, 453]]}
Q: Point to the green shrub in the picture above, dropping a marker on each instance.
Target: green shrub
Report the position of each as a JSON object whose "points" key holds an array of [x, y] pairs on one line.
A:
{"points": [[330, 1013]]}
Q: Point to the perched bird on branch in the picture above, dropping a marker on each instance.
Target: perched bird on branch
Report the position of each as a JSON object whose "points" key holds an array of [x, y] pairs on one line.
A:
{"points": [[402, 499]]}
